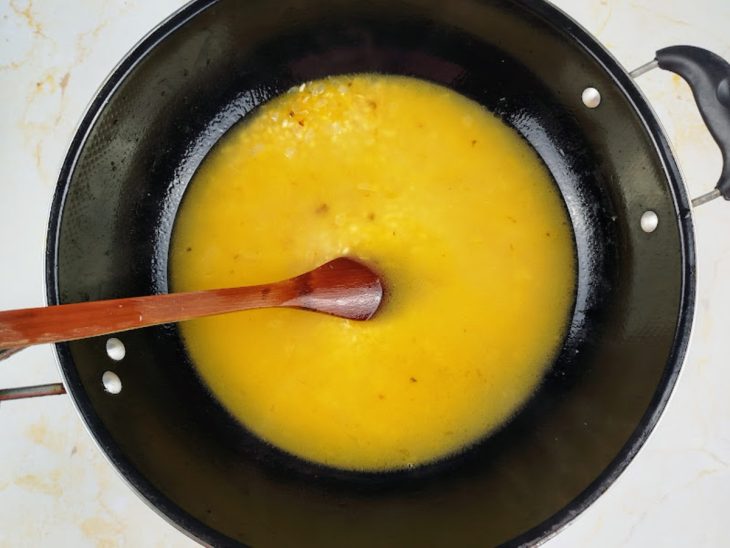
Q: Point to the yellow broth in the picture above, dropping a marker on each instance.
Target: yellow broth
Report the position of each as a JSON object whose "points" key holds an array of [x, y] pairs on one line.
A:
{"points": [[447, 203]]}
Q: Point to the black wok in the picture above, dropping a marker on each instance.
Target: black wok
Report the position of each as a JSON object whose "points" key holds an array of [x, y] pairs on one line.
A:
{"points": [[210, 65]]}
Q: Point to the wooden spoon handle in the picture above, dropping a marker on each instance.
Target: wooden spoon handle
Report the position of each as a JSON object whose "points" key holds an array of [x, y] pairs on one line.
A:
{"points": [[67, 322], [342, 287]]}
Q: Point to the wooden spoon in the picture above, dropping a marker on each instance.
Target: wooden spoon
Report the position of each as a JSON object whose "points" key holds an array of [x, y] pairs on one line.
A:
{"points": [[343, 287]]}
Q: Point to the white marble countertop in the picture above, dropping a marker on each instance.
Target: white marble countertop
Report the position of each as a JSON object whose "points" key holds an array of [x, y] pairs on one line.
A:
{"points": [[56, 489]]}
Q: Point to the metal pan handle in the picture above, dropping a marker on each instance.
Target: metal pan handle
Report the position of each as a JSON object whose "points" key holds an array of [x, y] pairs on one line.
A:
{"points": [[708, 75], [24, 392]]}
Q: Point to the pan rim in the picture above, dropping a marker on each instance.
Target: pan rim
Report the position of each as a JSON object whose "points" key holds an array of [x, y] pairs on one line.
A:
{"points": [[582, 39]]}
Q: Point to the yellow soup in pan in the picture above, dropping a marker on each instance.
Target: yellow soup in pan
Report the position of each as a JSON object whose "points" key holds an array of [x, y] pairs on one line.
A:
{"points": [[448, 204]]}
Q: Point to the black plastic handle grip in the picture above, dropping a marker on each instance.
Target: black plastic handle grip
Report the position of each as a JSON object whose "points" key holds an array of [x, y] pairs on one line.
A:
{"points": [[709, 77]]}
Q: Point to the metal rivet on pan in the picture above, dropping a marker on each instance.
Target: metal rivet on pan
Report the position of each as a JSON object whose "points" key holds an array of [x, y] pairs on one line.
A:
{"points": [[649, 221], [111, 381], [591, 97], [115, 349]]}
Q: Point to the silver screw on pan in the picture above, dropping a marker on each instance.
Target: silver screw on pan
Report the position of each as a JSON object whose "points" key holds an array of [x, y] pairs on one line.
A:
{"points": [[112, 383], [649, 221], [591, 97], [115, 349]]}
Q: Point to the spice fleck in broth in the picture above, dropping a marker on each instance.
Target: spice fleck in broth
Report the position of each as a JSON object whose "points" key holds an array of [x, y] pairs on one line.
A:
{"points": [[447, 203]]}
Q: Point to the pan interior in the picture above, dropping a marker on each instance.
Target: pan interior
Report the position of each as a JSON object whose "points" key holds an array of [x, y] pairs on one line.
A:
{"points": [[476, 256], [205, 70]]}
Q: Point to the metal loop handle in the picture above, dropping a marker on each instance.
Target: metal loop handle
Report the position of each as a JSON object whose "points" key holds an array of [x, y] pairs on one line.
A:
{"points": [[24, 392], [38, 391], [5, 353], [708, 75]]}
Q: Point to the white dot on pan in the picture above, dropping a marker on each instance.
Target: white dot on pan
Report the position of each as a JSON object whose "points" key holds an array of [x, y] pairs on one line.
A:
{"points": [[111, 381], [649, 221], [591, 97], [115, 349]]}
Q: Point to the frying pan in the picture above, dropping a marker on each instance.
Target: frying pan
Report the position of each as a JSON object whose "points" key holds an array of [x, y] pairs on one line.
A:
{"points": [[159, 114]]}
